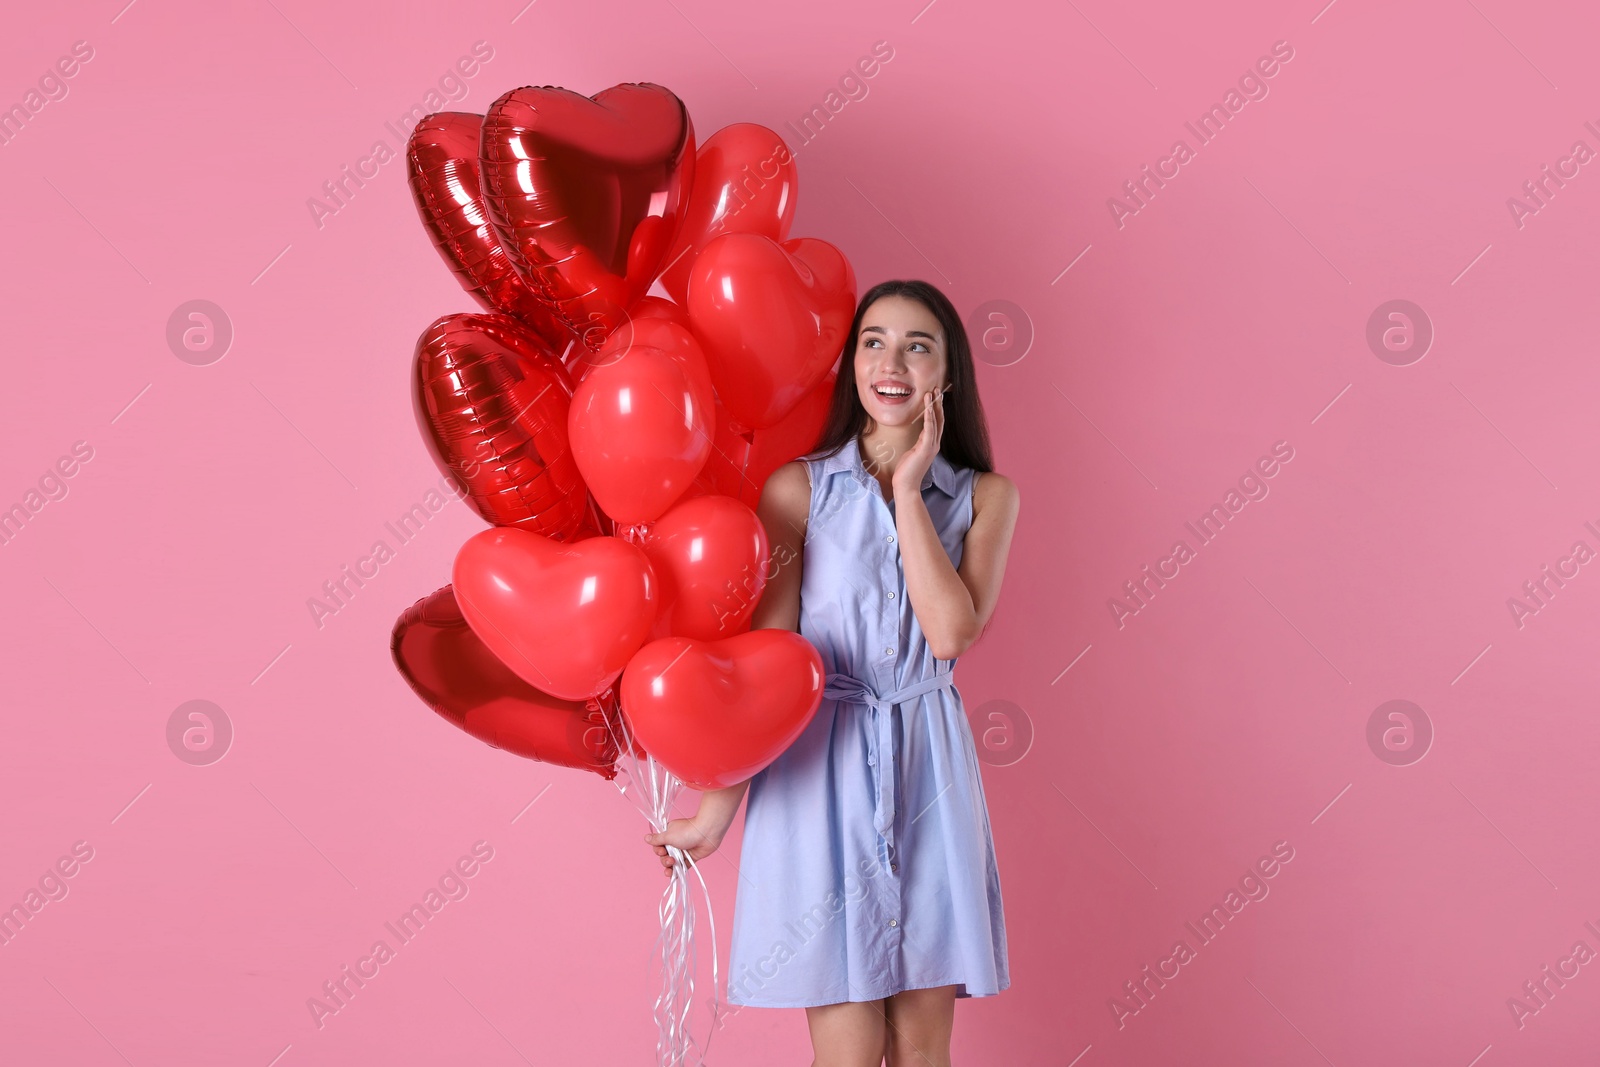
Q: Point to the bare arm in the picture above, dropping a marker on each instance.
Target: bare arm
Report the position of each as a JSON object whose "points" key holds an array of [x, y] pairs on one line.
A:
{"points": [[954, 605], [784, 508]]}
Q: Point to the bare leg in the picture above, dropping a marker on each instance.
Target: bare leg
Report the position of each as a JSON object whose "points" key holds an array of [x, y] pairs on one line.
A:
{"points": [[847, 1035], [920, 1022]]}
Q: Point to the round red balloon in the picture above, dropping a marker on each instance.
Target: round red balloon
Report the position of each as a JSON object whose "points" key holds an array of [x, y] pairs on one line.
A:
{"points": [[710, 555], [745, 181]]}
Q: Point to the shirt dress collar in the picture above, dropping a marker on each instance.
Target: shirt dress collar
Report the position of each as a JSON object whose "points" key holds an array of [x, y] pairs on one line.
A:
{"points": [[848, 459]]}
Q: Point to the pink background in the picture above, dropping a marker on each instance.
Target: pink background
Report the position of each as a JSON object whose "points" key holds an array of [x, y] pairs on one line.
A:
{"points": [[1229, 714]]}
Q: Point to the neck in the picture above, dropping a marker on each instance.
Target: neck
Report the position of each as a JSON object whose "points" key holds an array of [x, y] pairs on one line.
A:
{"points": [[882, 447]]}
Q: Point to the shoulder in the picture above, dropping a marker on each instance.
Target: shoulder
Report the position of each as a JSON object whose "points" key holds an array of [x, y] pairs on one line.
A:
{"points": [[994, 493], [787, 492]]}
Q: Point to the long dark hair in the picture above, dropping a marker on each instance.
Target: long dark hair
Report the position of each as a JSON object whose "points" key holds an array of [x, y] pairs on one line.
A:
{"points": [[965, 441]]}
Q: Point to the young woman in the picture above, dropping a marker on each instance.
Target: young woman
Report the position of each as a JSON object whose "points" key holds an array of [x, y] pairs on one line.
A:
{"points": [[868, 891]]}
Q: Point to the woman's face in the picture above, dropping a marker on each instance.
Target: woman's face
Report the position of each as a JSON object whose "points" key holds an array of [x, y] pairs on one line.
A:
{"points": [[900, 358]]}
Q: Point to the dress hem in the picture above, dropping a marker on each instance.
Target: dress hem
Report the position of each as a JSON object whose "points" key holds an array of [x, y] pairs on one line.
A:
{"points": [[871, 997]]}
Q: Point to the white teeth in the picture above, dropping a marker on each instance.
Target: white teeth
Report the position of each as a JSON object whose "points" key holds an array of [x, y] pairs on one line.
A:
{"points": [[893, 392]]}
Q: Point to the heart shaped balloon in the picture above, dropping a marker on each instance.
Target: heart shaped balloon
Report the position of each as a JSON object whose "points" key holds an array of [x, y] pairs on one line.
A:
{"points": [[771, 318], [456, 675], [492, 400], [587, 195], [727, 469], [795, 434], [442, 162], [710, 555], [714, 713], [640, 421], [745, 181], [565, 618]]}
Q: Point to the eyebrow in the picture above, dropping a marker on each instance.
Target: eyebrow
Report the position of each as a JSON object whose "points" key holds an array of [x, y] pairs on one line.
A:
{"points": [[909, 333]]}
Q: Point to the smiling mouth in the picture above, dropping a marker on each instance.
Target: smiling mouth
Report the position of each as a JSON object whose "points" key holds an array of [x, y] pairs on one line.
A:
{"points": [[896, 392]]}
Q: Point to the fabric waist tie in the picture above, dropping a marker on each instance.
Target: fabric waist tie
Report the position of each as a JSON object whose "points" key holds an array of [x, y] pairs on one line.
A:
{"points": [[880, 734]]}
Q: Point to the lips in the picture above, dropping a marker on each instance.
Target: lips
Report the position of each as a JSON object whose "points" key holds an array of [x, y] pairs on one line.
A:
{"points": [[891, 391]]}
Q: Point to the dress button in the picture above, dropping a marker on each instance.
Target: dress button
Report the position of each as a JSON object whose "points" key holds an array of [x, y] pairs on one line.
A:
{"points": [[894, 922], [894, 867], [888, 652], [891, 539], [891, 594]]}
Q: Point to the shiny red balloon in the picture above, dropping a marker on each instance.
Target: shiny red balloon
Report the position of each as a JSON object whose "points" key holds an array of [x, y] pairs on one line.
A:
{"points": [[565, 618], [727, 469], [640, 422], [654, 307], [587, 195], [745, 181], [710, 555], [792, 436], [456, 675], [442, 162], [492, 400], [771, 318], [714, 713]]}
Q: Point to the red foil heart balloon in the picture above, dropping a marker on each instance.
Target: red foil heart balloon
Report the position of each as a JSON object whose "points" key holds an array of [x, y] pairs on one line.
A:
{"points": [[456, 675], [771, 318], [491, 400], [716, 712], [710, 555], [745, 181], [587, 195], [442, 162], [565, 617]]}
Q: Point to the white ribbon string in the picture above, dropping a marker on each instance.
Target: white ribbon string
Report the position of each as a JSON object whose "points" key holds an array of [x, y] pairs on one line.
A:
{"points": [[675, 945]]}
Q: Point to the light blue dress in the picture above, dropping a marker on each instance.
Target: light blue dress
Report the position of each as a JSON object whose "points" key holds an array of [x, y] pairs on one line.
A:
{"points": [[868, 865]]}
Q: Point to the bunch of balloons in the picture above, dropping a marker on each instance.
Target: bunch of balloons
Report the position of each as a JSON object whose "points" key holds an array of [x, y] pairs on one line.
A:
{"points": [[616, 441]]}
